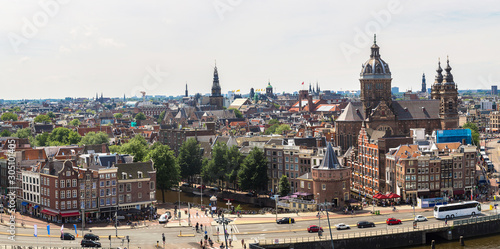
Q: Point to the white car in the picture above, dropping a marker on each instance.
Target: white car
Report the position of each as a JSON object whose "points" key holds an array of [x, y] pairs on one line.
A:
{"points": [[420, 218], [163, 218], [342, 226]]}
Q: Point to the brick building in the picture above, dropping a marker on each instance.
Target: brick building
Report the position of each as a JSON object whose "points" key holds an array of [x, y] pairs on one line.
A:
{"points": [[136, 185]]}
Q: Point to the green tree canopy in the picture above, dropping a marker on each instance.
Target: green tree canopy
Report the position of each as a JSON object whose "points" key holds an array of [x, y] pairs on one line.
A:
{"points": [[140, 116], [74, 122], [6, 116], [284, 186], [23, 133], [5, 133], [167, 169], [137, 146], [63, 136], [237, 113], [213, 170], [282, 128], [118, 115], [51, 115], [474, 132], [271, 129], [95, 138], [190, 158], [42, 118], [42, 139], [162, 116], [253, 172]]}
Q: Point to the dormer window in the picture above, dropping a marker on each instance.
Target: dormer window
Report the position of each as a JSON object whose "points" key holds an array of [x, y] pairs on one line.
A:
{"points": [[124, 176], [139, 174]]}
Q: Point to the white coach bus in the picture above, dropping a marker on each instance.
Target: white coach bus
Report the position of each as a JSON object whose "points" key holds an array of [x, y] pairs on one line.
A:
{"points": [[451, 211]]}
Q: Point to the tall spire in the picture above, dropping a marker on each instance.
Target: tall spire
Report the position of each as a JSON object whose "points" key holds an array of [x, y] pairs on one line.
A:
{"points": [[375, 48], [216, 91], [439, 76], [448, 77], [423, 83], [186, 93], [374, 38]]}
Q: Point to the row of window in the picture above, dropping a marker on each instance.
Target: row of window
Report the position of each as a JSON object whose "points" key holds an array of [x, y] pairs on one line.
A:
{"points": [[66, 205], [66, 194], [66, 184], [32, 180]]}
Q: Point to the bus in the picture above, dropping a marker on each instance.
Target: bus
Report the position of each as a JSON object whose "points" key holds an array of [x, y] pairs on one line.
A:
{"points": [[451, 211]]}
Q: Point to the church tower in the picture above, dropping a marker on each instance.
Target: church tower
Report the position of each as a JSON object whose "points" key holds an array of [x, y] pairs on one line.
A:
{"points": [[424, 89], [375, 79], [216, 99], [448, 108], [186, 93]]}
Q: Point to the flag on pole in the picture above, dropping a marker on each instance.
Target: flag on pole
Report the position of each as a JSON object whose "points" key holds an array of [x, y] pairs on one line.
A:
{"points": [[48, 230], [36, 230], [76, 231], [302, 82]]}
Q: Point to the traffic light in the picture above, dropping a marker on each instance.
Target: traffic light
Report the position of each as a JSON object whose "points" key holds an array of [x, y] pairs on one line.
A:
{"points": [[109, 237]]}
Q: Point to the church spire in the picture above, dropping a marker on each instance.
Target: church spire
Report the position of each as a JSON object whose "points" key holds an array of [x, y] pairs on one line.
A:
{"points": [[448, 77], [186, 93], [216, 91], [375, 48], [439, 76], [423, 83]]}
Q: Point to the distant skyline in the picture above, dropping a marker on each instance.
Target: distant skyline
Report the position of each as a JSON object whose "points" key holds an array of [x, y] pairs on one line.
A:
{"points": [[65, 48]]}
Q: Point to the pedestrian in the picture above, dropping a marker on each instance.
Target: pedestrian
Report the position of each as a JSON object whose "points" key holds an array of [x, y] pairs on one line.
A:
{"points": [[242, 242], [201, 227], [445, 221]]}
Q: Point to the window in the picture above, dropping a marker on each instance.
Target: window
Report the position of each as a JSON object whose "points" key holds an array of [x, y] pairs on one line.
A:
{"points": [[113, 182], [139, 184], [108, 183], [102, 184], [120, 198], [107, 176], [323, 186], [57, 205], [108, 192], [108, 201], [68, 173], [120, 188], [296, 160], [101, 201], [139, 174], [129, 197], [129, 187], [68, 194], [74, 204], [113, 201], [68, 183], [74, 193], [48, 183], [63, 194], [102, 193], [94, 204], [114, 191], [139, 195], [74, 183], [308, 185], [151, 185]]}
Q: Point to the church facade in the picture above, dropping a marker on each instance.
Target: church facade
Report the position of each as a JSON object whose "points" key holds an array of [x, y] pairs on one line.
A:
{"points": [[379, 112]]}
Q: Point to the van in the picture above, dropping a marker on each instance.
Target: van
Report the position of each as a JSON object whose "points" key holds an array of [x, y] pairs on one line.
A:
{"points": [[163, 218]]}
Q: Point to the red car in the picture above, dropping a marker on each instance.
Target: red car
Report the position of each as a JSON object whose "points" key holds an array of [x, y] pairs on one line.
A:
{"points": [[314, 229], [393, 221]]}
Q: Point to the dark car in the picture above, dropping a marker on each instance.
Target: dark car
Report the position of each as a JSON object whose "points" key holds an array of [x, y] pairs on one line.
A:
{"points": [[362, 224], [285, 220], [393, 221], [90, 236], [90, 243], [67, 236], [314, 229]]}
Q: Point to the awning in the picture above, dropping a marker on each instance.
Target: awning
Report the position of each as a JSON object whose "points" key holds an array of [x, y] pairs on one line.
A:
{"points": [[24, 203], [70, 214], [48, 212], [36, 206]]}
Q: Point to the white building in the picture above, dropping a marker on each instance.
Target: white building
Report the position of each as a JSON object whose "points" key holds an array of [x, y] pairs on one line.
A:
{"points": [[31, 192]]}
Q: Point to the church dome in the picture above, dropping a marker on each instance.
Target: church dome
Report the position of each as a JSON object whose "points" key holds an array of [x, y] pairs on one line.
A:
{"points": [[269, 85], [375, 67]]}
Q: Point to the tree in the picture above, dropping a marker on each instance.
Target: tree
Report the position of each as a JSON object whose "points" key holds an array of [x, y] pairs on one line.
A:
{"points": [[190, 158], [95, 138], [7, 116], [162, 116], [74, 122], [284, 186], [42, 119], [114, 148], [271, 129], [274, 121], [213, 170], [233, 160], [140, 116], [63, 136], [237, 113], [5, 133], [23, 133], [253, 172], [42, 139], [51, 115], [474, 132], [280, 129], [118, 115], [167, 169], [137, 147]]}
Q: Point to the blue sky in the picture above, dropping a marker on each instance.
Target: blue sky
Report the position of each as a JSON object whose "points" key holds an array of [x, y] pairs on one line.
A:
{"points": [[78, 48]]}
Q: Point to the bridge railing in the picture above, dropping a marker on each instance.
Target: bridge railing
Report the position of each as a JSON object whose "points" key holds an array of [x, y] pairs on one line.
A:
{"points": [[368, 233]]}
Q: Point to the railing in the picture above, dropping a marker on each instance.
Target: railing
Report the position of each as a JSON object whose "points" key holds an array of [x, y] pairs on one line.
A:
{"points": [[388, 230]]}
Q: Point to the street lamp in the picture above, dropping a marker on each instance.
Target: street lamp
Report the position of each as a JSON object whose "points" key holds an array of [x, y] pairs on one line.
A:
{"points": [[224, 222], [179, 215]]}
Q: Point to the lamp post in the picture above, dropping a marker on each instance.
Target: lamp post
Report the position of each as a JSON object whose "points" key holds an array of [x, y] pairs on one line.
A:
{"points": [[224, 222], [179, 216]]}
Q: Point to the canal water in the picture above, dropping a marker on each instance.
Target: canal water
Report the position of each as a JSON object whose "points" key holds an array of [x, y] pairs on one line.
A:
{"points": [[173, 197], [487, 242]]}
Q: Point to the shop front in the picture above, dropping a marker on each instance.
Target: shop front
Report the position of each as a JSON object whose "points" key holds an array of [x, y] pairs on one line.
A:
{"points": [[50, 215], [70, 216]]}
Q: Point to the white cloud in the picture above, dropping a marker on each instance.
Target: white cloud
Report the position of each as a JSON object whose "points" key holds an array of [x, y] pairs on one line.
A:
{"points": [[109, 42]]}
